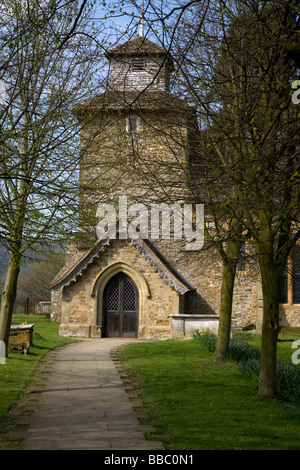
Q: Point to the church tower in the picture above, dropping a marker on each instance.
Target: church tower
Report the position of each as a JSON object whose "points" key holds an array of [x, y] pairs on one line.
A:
{"points": [[134, 136], [134, 140]]}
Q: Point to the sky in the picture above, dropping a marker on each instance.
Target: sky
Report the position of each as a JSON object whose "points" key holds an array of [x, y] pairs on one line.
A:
{"points": [[123, 18]]}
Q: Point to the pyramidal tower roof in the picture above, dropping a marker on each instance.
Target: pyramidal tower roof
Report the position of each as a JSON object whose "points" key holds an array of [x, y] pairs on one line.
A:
{"points": [[139, 46], [139, 79]]}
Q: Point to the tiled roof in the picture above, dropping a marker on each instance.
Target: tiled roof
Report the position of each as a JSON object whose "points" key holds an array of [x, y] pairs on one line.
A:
{"points": [[137, 46], [162, 266], [134, 101]]}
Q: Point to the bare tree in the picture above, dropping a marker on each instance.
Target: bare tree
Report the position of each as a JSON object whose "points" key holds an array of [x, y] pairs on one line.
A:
{"points": [[244, 103], [39, 133], [236, 71], [34, 281]]}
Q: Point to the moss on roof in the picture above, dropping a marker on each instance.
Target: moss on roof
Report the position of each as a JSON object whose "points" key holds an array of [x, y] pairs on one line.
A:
{"points": [[134, 101], [137, 46]]}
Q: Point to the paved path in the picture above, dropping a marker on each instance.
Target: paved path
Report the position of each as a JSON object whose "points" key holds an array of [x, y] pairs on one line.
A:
{"points": [[83, 405]]}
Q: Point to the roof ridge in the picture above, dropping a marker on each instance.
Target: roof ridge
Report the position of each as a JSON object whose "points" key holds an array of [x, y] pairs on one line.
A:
{"points": [[148, 100], [137, 45], [177, 281]]}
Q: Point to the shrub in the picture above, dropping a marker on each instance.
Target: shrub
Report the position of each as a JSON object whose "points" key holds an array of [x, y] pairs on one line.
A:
{"points": [[207, 336], [248, 358], [19, 310], [250, 368], [239, 350], [288, 383]]}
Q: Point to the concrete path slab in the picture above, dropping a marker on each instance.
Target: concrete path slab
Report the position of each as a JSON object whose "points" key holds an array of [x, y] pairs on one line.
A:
{"points": [[83, 404]]}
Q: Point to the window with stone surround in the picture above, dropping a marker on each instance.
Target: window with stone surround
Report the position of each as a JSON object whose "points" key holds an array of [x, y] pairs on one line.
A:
{"points": [[283, 290], [241, 266], [132, 123], [296, 275], [289, 293]]}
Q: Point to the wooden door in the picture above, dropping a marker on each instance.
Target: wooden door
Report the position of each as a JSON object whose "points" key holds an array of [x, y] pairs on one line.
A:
{"points": [[121, 307]]}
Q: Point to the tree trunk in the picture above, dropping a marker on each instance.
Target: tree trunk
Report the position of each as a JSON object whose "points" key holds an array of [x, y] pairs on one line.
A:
{"points": [[224, 329], [8, 296], [270, 329]]}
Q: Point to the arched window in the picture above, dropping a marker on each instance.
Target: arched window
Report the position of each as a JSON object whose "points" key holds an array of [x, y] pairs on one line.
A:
{"points": [[296, 274], [283, 290], [241, 266], [290, 283]]}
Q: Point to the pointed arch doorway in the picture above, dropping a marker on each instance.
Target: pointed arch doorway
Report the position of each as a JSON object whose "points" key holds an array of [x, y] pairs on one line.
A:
{"points": [[121, 307]]}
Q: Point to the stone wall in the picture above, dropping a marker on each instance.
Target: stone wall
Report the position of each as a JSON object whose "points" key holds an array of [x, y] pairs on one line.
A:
{"points": [[147, 166], [20, 338], [79, 316], [118, 164], [144, 166], [203, 269], [79, 310], [289, 315]]}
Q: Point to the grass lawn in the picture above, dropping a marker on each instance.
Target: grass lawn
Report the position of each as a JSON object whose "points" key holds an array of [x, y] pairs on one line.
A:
{"points": [[194, 403], [198, 404], [18, 371], [285, 339]]}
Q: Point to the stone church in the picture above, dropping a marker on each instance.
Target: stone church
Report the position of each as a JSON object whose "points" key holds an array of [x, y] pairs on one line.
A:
{"points": [[135, 140]]}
